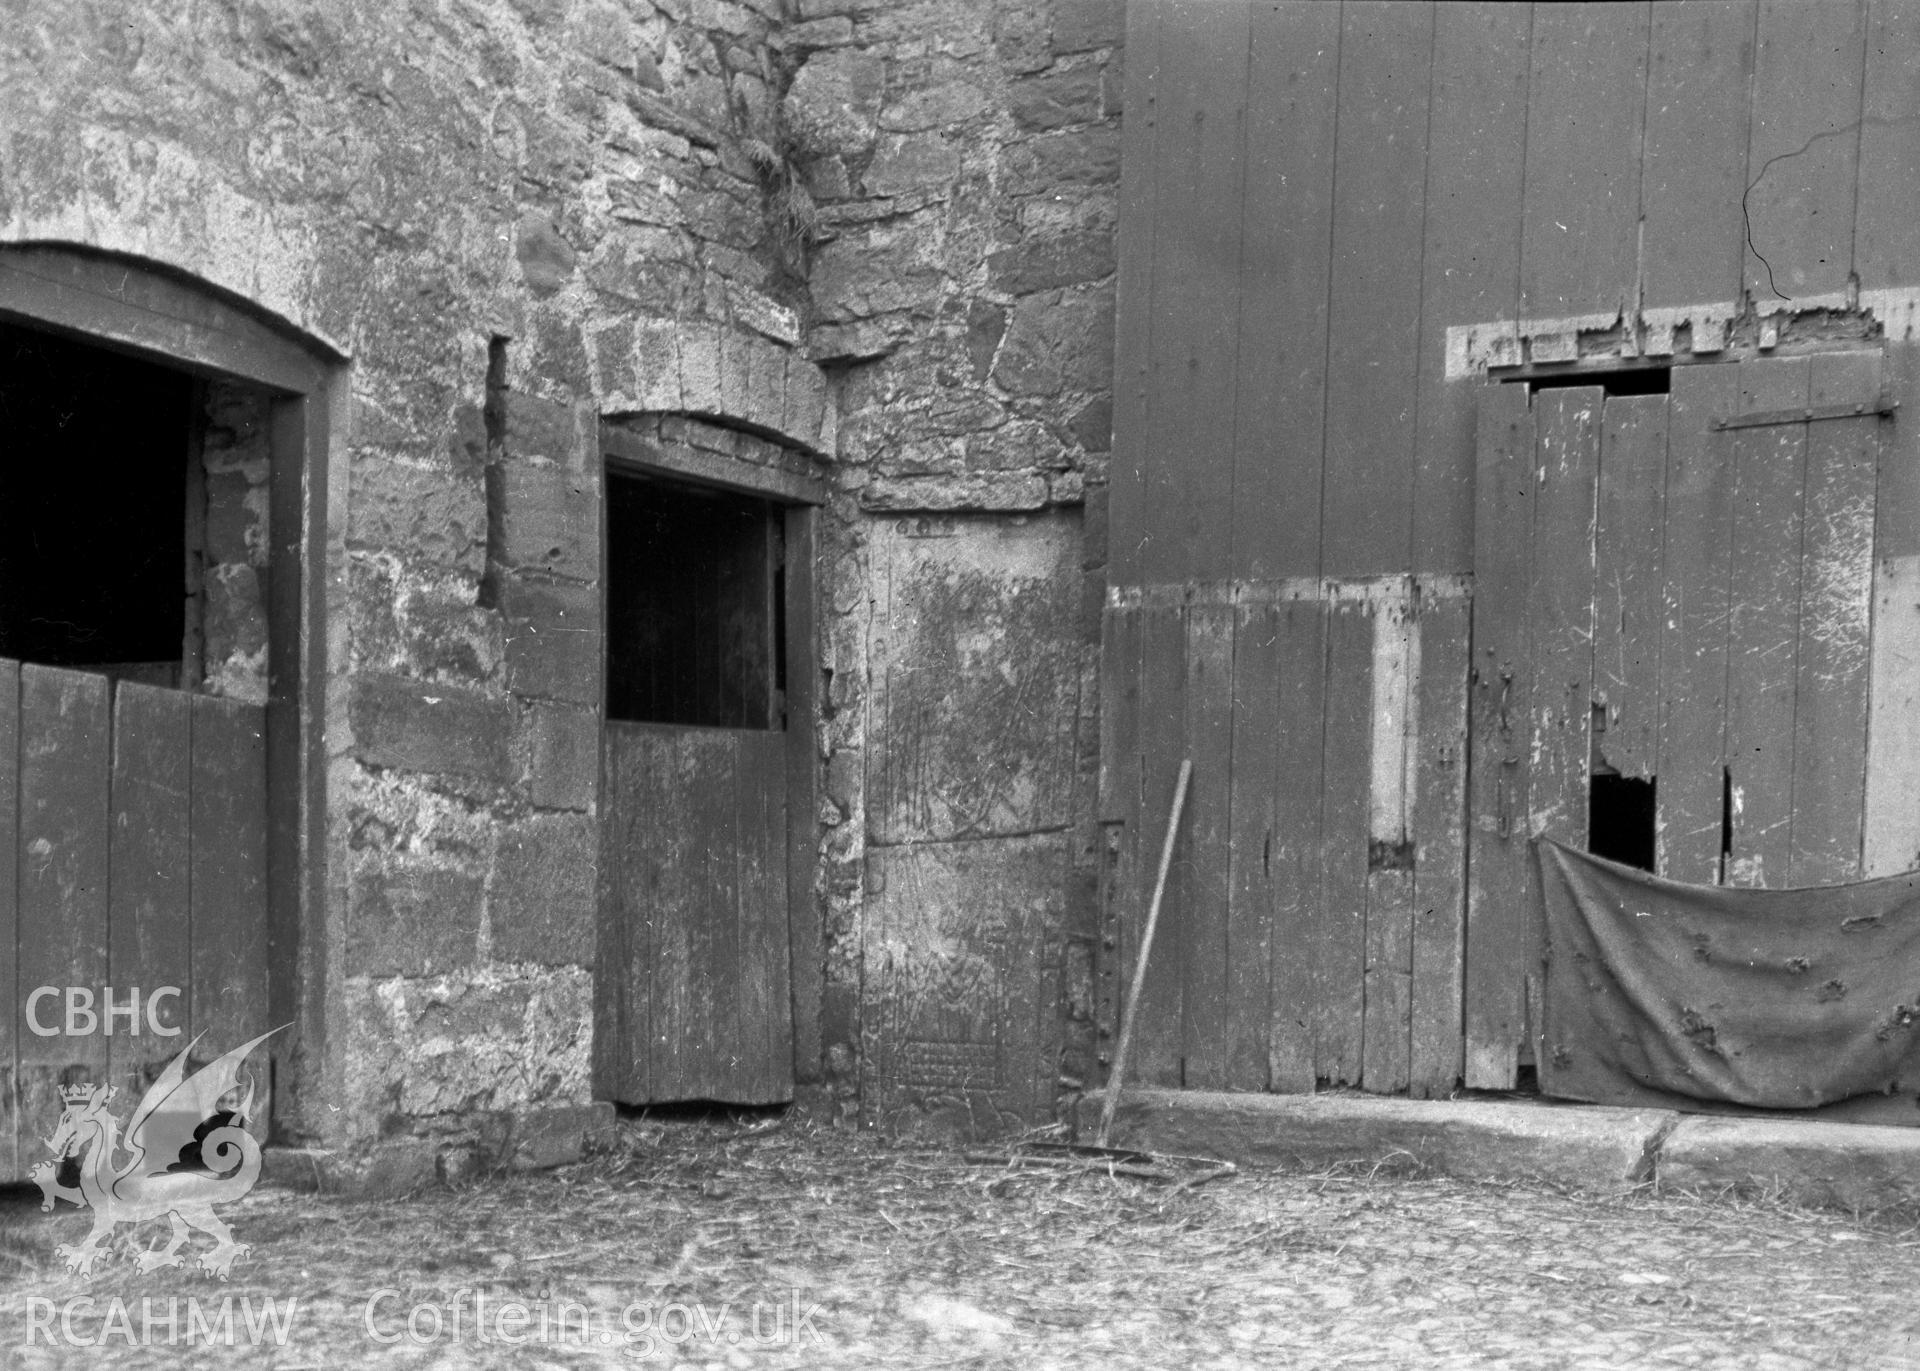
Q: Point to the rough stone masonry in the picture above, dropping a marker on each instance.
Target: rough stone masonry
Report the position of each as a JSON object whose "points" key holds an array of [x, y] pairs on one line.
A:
{"points": [[877, 233]]}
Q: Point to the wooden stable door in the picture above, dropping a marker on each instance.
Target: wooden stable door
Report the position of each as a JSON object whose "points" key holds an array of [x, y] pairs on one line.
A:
{"points": [[694, 852], [1671, 645], [696, 871], [133, 886]]}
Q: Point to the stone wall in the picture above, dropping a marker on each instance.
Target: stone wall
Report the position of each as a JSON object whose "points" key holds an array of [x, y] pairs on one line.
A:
{"points": [[877, 231], [227, 620], [964, 162], [491, 209]]}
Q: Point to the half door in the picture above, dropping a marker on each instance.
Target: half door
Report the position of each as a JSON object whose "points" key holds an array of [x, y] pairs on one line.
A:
{"points": [[694, 862]]}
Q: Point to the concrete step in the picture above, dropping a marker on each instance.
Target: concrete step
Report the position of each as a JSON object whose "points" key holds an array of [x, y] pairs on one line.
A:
{"points": [[1585, 1147], [1841, 1165], [1573, 1145]]}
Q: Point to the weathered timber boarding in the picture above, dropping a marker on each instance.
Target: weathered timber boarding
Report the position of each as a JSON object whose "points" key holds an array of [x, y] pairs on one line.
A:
{"points": [[63, 839], [1648, 591], [708, 959], [1499, 873], [134, 886], [1299, 940], [150, 883], [696, 876]]}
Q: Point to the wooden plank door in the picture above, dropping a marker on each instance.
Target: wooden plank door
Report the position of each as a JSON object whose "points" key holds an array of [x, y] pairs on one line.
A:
{"points": [[1673, 591], [694, 1001], [695, 865], [132, 888]]}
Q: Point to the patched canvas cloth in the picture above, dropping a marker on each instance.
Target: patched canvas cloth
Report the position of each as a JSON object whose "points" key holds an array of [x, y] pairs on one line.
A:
{"points": [[1779, 999]]}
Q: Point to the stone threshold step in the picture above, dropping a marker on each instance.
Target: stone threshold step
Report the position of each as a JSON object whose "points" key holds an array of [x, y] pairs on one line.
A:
{"points": [[1584, 1147]]}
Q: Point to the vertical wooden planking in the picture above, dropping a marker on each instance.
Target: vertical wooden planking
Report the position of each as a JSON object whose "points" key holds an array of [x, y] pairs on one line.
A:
{"points": [[149, 932], [1560, 615], [1471, 252], [764, 1035], [1206, 873], [1295, 853], [1339, 933], [1436, 1061], [1121, 771], [1386, 62], [1133, 325], [1257, 725], [666, 891], [1891, 821], [746, 1039], [65, 729], [1204, 325], [620, 1026], [1693, 646], [228, 873], [1770, 465], [1832, 665], [717, 938], [1120, 635], [1580, 224], [10, 983], [1891, 841], [1196, 260], [1158, 1038], [1502, 705], [1886, 235], [1803, 158], [1392, 744], [682, 772], [1694, 172], [1280, 391], [1629, 586]]}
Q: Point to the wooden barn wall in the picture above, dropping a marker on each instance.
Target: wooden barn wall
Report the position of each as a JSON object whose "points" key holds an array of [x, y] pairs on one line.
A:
{"points": [[1313, 193]]}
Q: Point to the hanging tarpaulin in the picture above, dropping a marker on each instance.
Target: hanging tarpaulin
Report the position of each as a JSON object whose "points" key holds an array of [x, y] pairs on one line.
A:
{"points": [[1776, 999]]}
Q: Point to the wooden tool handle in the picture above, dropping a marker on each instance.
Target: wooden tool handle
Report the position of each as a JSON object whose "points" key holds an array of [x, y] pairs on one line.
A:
{"points": [[1116, 1076]]}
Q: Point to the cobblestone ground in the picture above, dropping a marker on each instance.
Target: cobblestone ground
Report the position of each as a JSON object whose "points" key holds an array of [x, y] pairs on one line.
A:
{"points": [[718, 1245]]}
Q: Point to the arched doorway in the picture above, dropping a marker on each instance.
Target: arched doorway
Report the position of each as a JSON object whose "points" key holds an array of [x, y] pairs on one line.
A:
{"points": [[161, 659]]}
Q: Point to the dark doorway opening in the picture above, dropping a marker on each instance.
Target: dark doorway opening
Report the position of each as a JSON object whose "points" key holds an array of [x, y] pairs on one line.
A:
{"points": [[695, 620], [1621, 819], [94, 450]]}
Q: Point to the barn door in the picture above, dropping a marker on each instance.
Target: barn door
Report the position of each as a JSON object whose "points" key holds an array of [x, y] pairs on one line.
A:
{"points": [[1671, 645], [694, 819]]}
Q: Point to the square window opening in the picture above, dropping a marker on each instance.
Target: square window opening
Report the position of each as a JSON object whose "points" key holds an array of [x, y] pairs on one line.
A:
{"points": [[94, 451], [133, 517], [695, 620]]}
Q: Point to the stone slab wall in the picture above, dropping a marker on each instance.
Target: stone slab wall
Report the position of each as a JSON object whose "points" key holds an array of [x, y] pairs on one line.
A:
{"points": [[964, 161]]}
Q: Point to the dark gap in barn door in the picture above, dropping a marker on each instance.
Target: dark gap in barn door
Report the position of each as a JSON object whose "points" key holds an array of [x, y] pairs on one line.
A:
{"points": [[696, 867]]}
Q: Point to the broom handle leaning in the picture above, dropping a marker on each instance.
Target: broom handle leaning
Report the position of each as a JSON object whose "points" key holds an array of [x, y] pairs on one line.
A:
{"points": [[1118, 1075]]}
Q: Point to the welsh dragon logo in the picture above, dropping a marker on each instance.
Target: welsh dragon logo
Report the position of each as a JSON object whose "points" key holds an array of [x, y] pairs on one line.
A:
{"points": [[179, 1117]]}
